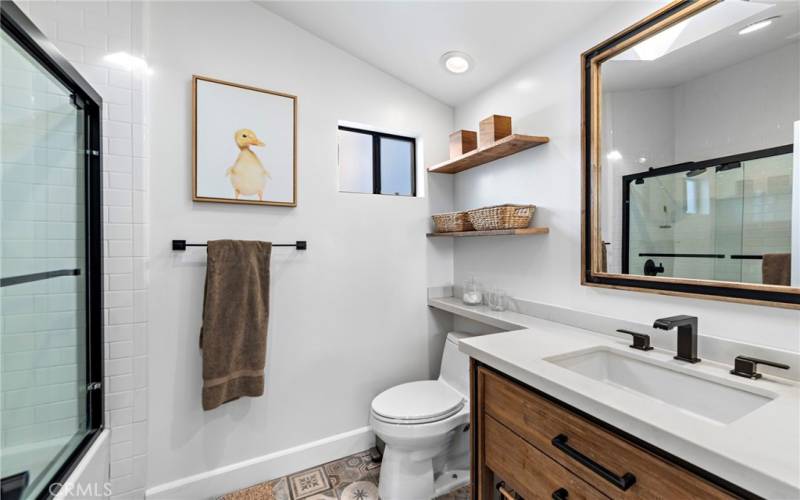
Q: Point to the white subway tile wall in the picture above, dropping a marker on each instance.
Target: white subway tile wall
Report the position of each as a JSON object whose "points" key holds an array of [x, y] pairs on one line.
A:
{"points": [[85, 32]]}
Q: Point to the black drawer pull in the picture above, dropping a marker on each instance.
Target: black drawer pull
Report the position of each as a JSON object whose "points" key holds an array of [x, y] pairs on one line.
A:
{"points": [[626, 481], [561, 494]]}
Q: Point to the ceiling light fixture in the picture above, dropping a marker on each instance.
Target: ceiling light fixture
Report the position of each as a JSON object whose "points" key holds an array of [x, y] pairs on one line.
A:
{"points": [[456, 62], [614, 155], [758, 25]]}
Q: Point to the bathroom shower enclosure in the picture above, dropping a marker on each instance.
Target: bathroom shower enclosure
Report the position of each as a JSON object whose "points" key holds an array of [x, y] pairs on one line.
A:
{"points": [[50, 262], [712, 219]]}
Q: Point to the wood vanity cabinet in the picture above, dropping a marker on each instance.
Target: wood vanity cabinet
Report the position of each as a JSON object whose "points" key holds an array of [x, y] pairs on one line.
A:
{"points": [[542, 449]]}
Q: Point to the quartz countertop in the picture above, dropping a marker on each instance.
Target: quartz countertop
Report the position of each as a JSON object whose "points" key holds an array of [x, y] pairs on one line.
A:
{"points": [[759, 451]]}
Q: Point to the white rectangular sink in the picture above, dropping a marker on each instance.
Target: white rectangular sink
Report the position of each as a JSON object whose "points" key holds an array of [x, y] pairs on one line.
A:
{"points": [[717, 400]]}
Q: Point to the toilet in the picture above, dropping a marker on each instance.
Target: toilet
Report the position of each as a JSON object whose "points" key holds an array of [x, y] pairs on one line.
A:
{"points": [[425, 426]]}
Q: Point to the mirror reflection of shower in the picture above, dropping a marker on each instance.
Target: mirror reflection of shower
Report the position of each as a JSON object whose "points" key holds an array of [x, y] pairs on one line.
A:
{"points": [[714, 219]]}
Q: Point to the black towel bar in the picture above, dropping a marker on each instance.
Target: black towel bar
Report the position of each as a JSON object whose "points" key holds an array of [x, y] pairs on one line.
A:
{"points": [[181, 245]]}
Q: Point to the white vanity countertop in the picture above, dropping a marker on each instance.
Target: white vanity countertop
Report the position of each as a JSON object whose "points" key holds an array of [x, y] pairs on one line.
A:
{"points": [[759, 452]]}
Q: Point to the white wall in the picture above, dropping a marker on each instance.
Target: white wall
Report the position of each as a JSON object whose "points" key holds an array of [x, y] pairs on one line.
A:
{"points": [[639, 126], [85, 32], [348, 316], [762, 92], [543, 97]]}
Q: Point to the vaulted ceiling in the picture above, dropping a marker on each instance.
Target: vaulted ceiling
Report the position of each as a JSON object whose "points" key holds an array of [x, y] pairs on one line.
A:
{"points": [[407, 39]]}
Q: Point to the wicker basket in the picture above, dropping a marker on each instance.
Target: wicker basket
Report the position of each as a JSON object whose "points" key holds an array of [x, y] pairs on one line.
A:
{"points": [[451, 222], [501, 217]]}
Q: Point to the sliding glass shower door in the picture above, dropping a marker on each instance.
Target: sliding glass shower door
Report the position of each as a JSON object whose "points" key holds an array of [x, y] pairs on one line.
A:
{"points": [[711, 222], [48, 265]]}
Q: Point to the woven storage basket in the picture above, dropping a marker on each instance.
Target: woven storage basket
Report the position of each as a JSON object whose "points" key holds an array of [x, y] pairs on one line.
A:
{"points": [[452, 222], [501, 217]]}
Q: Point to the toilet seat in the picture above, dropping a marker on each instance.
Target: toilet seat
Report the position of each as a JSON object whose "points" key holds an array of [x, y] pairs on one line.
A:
{"points": [[417, 403]]}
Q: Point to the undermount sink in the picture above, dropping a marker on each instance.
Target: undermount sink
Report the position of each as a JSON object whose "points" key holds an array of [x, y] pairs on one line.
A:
{"points": [[708, 398]]}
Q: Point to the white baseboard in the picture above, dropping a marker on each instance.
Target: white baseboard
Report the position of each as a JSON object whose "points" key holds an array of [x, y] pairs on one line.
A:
{"points": [[217, 482]]}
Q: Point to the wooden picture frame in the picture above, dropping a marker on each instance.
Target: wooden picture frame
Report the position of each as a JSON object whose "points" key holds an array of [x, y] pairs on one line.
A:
{"points": [[229, 164], [591, 241]]}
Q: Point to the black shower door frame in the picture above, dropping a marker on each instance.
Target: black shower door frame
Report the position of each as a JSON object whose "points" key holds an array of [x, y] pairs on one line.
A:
{"points": [[17, 26], [724, 163]]}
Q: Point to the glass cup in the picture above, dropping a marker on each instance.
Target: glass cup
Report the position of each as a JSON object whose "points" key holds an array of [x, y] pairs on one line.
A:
{"points": [[472, 295], [498, 300]]}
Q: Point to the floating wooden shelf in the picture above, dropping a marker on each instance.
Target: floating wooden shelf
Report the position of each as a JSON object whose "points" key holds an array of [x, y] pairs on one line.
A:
{"points": [[500, 232], [506, 146]]}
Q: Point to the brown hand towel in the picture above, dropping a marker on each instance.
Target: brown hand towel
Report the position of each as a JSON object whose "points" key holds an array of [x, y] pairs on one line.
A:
{"points": [[235, 312], [776, 269]]}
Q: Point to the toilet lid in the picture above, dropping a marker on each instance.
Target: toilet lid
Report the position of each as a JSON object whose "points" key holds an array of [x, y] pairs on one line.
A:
{"points": [[427, 400]]}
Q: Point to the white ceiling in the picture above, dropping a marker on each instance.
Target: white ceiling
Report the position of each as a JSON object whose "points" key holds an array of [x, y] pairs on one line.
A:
{"points": [[406, 39], [719, 48]]}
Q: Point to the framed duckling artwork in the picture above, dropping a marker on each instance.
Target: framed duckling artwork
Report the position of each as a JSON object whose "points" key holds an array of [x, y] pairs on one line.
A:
{"points": [[245, 144]]}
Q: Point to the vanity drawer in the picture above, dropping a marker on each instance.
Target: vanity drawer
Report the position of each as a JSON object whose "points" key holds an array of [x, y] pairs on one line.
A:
{"points": [[531, 473], [608, 462]]}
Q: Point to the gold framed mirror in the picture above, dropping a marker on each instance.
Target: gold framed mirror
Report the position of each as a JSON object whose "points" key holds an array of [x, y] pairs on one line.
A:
{"points": [[691, 161]]}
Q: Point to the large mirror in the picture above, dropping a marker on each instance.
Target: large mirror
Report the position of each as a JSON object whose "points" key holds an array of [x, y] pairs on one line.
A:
{"points": [[692, 161]]}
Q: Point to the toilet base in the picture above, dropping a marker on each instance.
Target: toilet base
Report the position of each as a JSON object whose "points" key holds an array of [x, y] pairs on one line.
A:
{"points": [[450, 480], [404, 478]]}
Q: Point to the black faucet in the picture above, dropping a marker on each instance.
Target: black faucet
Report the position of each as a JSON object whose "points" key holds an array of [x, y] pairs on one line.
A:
{"points": [[687, 335]]}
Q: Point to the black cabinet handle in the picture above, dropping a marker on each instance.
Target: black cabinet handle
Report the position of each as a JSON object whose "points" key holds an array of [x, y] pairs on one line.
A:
{"points": [[626, 481], [561, 494]]}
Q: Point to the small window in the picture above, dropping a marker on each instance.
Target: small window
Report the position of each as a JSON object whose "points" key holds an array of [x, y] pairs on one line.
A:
{"points": [[377, 163]]}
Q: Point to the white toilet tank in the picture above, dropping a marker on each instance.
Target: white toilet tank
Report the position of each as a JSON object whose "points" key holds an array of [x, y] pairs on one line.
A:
{"points": [[455, 364]]}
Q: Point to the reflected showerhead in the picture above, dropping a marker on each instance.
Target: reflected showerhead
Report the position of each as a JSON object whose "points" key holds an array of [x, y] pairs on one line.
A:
{"points": [[695, 173]]}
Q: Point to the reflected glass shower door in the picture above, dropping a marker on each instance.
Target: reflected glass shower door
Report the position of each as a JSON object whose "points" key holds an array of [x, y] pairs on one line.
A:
{"points": [[714, 222], [43, 256], [727, 228], [766, 212]]}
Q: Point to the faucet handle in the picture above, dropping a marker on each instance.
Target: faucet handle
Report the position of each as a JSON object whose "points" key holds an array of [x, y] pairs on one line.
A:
{"points": [[640, 340], [745, 366]]}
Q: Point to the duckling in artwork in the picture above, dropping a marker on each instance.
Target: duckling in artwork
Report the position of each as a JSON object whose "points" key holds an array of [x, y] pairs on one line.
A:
{"points": [[248, 176]]}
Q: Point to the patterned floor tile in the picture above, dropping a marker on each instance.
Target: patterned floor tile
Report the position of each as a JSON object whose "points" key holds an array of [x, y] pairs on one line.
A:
{"points": [[349, 478], [306, 483], [359, 490], [280, 489], [352, 468], [459, 494]]}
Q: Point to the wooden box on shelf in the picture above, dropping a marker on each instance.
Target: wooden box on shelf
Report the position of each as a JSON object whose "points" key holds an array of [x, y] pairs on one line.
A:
{"points": [[462, 142], [492, 129]]}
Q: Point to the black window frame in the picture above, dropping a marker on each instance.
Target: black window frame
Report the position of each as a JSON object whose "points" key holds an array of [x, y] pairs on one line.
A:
{"points": [[24, 32], [376, 158]]}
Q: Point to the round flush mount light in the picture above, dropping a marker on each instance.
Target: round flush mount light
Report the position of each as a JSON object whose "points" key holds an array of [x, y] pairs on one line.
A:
{"points": [[456, 62], [758, 25]]}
